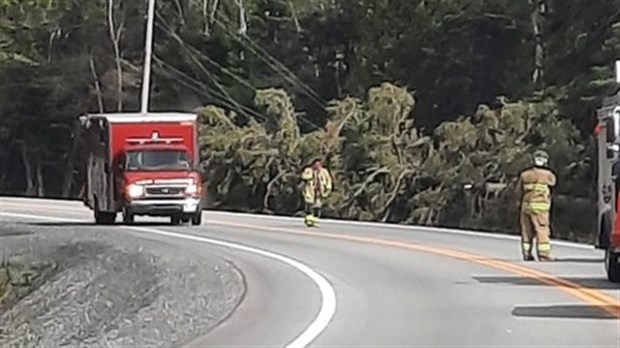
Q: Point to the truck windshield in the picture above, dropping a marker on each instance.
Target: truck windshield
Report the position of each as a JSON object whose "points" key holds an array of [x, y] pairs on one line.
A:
{"points": [[138, 160]]}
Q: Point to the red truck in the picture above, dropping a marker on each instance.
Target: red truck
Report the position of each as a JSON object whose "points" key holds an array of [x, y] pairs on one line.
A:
{"points": [[608, 139], [143, 164]]}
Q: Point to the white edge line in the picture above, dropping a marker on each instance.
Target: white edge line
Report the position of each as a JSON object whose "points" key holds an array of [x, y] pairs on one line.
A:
{"points": [[394, 227], [328, 294]]}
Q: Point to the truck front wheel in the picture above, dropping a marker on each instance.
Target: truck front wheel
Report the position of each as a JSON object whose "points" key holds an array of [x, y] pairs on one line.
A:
{"points": [[197, 219], [612, 266], [175, 220], [128, 217], [103, 218]]}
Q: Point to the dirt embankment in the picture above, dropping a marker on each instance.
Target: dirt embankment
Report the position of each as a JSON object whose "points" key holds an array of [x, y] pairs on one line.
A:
{"points": [[71, 285]]}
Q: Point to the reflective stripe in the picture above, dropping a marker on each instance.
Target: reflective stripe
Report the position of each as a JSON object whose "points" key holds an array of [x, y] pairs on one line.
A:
{"points": [[306, 174], [537, 187], [544, 247], [539, 207]]}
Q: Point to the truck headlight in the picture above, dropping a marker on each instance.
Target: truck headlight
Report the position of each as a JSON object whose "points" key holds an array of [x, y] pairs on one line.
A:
{"points": [[135, 191], [191, 189]]}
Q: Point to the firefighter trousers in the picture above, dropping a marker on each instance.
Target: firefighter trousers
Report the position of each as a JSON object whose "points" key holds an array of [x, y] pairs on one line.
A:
{"points": [[313, 212], [535, 226]]}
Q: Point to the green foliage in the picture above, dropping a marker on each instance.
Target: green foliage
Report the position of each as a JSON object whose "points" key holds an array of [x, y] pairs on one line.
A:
{"points": [[348, 68], [383, 169]]}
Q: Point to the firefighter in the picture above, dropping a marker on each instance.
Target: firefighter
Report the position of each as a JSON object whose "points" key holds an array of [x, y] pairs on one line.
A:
{"points": [[534, 191], [317, 187]]}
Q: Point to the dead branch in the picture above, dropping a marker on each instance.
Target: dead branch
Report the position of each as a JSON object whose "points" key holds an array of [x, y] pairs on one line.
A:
{"points": [[97, 84], [294, 14], [270, 185], [369, 179], [115, 38], [394, 193]]}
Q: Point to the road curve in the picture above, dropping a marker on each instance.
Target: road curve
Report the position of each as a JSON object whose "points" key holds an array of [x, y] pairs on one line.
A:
{"points": [[392, 285]]}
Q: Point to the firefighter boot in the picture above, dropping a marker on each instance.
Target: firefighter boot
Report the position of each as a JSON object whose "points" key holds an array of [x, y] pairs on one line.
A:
{"points": [[546, 258], [309, 220], [544, 252], [526, 249], [316, 217]]}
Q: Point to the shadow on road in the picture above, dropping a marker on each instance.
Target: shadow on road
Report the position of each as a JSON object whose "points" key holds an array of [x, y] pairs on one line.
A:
{"points": [[89, 223], [563, 311], [581, 260], [13, 233], [594, 283], [59, 224]]}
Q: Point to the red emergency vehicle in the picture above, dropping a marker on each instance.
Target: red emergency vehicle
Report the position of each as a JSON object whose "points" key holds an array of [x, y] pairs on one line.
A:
{"points": [[143, 164], [608, 139]]}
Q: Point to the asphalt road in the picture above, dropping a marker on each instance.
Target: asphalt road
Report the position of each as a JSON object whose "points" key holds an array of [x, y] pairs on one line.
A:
{"points": [[357, 284]]}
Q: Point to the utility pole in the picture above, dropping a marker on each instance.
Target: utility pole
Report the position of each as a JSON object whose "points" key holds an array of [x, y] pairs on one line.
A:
{"points": [[148, 52]]}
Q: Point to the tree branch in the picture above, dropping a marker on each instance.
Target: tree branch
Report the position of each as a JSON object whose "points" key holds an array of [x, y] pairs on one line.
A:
{"points": [[97, 83], [115, 38], [270, 185], [394, 193], [369, 179]]}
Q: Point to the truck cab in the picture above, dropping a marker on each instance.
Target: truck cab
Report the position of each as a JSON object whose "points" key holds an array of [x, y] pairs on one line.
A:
{"points": [[608, 140], [143, 164]]}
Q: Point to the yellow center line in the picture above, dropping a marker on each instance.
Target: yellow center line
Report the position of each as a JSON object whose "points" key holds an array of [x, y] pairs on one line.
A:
{"points": [[588, 295], [591, 296]]}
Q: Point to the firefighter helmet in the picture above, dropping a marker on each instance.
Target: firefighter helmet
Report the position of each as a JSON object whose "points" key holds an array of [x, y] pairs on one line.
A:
{"points": [[541, 158]]}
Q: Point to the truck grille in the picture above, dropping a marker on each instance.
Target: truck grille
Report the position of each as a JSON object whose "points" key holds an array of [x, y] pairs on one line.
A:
{"points": [[164, 191]]}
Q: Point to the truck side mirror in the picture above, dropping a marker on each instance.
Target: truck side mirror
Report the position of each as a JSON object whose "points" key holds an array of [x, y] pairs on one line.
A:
{"points": [[202, 169], [613, 131], [615, 116]]}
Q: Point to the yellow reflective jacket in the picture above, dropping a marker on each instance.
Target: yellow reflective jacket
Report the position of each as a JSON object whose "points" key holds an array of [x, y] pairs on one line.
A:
{"points": [[317, 183], [535, 190]]}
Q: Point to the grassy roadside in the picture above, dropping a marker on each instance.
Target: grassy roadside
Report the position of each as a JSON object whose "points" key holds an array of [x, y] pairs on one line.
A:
{"points": [[5, 283], [18, 279]]}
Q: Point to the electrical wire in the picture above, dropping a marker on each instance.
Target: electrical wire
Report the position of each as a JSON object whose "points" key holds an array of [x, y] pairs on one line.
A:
{"points": [[274, 63], [192, 52]]}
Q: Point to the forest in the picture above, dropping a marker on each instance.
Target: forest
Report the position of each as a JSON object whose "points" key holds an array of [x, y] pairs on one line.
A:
{"points": [[407, 101]]}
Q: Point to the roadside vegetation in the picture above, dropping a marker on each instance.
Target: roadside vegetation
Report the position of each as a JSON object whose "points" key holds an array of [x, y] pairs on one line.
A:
{"points": [[407, 101]]}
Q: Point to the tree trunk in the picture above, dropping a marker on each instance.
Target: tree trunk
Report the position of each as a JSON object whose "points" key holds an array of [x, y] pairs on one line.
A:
{"points": [[294, 16], [243, 26], [97, 84], [115, 38], [213, 12], [39, 183], [28, 170], [539, 8], [70, 166], [205, 17]]}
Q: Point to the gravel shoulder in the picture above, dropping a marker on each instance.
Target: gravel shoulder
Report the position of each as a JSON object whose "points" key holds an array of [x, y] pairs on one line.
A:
{"points": [[78, 285]]}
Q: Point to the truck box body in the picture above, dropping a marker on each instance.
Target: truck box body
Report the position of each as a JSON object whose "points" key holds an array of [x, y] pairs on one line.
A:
{"points": [[143, 165], [608, 187]]}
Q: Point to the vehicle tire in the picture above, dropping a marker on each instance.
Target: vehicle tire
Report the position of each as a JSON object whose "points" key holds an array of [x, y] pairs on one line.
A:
{"points": [[612, 266], [105, 218], [96, 212], [175, 220], [97, 216], [604, 233], [128, 217], [197, 219]]}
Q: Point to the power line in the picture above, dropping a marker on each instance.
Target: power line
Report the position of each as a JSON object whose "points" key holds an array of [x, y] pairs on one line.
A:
{"points": [[246, 111], [275, 64], [192, 52]]}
